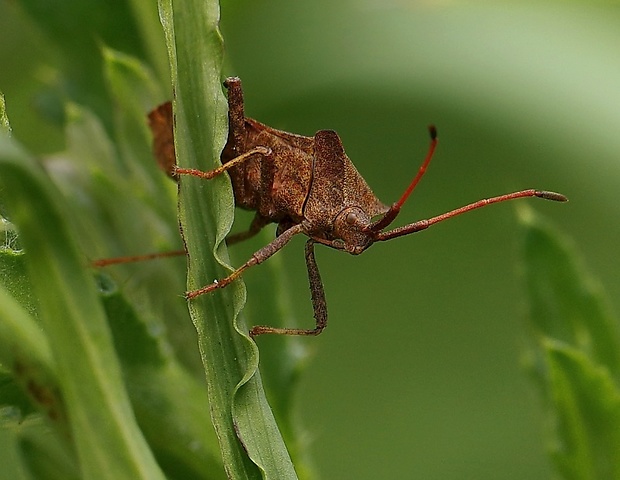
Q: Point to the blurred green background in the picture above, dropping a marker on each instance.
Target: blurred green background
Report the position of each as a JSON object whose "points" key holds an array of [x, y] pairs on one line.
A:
{"points": [[418, 374]]}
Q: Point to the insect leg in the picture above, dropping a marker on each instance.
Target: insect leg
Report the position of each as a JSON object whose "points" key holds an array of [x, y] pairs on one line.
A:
{"points": [[256, 226], [136, 258], [319, 304], [217, 171], [258, 257]]}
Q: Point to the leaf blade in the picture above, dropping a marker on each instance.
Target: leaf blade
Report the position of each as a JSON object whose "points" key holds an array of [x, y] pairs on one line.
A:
{"points": [[565, 302], [231, 360], [573, 355], [587, 415], [107, 439]]}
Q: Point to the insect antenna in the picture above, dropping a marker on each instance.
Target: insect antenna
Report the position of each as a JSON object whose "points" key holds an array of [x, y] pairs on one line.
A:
{"points": [[376, 227], [394, 210], [423, 224]]}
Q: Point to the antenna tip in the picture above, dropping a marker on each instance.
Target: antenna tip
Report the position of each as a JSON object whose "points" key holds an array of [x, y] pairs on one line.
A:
{"points": [[556, 197], [432, 130]]}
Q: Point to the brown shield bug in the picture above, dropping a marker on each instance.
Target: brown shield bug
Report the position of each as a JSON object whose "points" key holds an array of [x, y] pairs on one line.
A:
{"points": [[305, 185]]}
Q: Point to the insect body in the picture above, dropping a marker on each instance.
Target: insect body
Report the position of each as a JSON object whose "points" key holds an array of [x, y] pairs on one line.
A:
{"points": [[306, 185]]}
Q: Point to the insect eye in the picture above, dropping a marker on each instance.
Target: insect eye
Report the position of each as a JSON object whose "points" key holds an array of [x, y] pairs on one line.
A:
{"points": [[351, 218]]}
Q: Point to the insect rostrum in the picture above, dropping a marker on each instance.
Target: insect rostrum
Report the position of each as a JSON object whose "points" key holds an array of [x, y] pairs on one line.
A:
{"points": [[305, 185]]}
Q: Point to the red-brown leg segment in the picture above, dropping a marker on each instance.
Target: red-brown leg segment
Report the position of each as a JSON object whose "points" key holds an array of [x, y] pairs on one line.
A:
{"points": [[136, 258], [256, 226], [259, 257], [318, 302], [219, 170]]}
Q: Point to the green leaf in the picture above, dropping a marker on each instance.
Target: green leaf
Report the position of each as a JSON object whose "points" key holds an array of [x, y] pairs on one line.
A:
{"points": [[12, 395], [31, 450], [154, 226], [108, 22], [574, 355], [107, 440], [26, 353], [24, 349], [44, 459], [168, 402], [122, 204], [237, 399], [565, 303], [4, 119], [146, 16], [282, 358], [14, 278], [135, 93], [586, 402]]}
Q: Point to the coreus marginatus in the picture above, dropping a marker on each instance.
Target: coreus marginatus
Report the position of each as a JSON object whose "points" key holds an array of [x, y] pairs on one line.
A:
{"points": [[304, 184]]}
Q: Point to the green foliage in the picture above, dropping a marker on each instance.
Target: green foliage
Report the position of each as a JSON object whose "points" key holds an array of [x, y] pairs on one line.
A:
{"points": [[107, 442], [574, 356], [109, 366]]}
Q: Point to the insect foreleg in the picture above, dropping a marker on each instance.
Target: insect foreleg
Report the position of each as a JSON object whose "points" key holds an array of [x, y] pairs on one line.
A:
{"points": [[259, 257]]}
